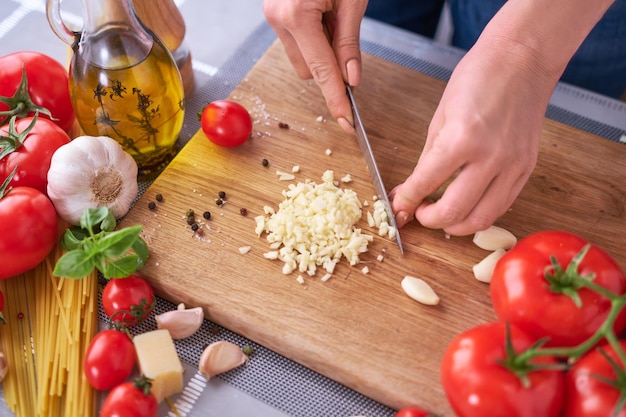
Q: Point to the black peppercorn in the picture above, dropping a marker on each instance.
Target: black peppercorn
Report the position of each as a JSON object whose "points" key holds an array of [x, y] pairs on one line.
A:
{"points": [[206, 215], [195, 227], [151, 205], [190, 220], [265, 162], [222, 194], [243, 211], [219, 202], [159, 197]]}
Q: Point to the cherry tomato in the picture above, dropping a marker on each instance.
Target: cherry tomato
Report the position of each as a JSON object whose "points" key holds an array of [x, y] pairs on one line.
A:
{"points": [[478, 385], [130, 399], [48, 85], [413, 412], [522, 295], [226, 123], [586, 395], [28, 229], [109, 360], [128, 300], [31, 151]]}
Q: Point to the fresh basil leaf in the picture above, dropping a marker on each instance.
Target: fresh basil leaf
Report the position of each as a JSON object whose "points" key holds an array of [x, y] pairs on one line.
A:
{"points": [[109, 223], [121, 268], [75, 264], [93, 217], [116, 244], [70, 240], [141, 249]]}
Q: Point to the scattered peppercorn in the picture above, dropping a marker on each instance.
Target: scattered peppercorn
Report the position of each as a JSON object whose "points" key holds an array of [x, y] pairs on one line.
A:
{"points": [[191, 220], [20, 315], [283, 125], [265, 162], [222, 194], [219, 202], [243, 211], [195, 227], [206, 215], [248, 350], [151, 205], [190, 213], [159, 197]]}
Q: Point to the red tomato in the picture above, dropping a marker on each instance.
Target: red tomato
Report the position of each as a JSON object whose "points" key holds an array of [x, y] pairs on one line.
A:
{"points": [[48, 84], [478, 385], [109, 360], [32, 152], [521, 294], [586, 395], [28, 230], [128, 300], [226, 123], [413, 412], [130, 399]]}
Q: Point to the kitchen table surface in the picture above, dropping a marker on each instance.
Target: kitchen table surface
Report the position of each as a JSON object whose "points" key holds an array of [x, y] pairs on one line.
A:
{"points": [[278, 385]]}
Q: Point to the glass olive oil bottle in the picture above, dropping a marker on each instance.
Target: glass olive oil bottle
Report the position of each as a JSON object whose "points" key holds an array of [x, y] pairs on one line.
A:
{"points": [[124, 82]]}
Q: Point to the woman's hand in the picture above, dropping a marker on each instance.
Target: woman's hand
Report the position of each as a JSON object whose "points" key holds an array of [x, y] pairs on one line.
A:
{"points": [[299, 25], [482, 143]]}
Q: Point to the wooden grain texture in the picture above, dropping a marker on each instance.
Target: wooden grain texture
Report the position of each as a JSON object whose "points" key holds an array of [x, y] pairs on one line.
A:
{"points": [[358, 329]]}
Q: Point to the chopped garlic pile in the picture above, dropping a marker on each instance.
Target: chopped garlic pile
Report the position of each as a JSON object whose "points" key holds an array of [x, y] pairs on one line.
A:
{"points": [[314, 226], [380, 220]]}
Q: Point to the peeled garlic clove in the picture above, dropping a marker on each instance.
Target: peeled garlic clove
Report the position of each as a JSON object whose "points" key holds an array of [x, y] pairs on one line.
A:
{"points": [[494, 238], [483, 270], [419, 290], [181, 323], [220, 357], [4, 367]]}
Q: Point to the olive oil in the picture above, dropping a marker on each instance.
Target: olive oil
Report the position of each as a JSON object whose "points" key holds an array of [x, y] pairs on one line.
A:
{"points": [[127, 86]]}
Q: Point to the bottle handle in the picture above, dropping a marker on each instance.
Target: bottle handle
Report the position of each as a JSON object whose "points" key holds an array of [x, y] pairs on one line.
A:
{"points": [[53, 13]]}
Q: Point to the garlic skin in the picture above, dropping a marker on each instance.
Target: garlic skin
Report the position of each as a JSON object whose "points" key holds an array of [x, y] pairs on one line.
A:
{"points": [[181, 323], [220, 357], [92, 172]]}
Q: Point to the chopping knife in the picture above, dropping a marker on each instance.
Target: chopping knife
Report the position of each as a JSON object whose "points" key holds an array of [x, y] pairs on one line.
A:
{"points": [[364, 144]]}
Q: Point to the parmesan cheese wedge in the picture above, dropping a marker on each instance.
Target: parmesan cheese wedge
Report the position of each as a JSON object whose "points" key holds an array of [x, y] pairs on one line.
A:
{"points": [[157, 359]]}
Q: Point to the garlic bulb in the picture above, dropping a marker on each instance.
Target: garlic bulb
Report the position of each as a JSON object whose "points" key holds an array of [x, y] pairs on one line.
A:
{"points": [[91, 172]]}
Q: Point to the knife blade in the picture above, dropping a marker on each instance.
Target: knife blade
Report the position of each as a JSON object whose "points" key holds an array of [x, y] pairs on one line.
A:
{"points": [[328, 26], [372, 167]]}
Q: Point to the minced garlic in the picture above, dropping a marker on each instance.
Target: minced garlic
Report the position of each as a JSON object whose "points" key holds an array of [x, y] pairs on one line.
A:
{"points": [[314, 227]]}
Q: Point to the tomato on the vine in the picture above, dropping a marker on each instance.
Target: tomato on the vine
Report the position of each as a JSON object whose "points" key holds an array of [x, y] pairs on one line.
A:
{"points": [[109, 360], [130, 399], [540, 297], [226, 123], [588, 392], [28, 144], [477, 384], [128, 300], [28, 229], [48, 88], [413, 412]]}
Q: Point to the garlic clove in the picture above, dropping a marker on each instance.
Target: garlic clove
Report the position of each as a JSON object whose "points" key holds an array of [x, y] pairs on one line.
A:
{"points": [[181, 323], [221, 357], [494, 238], [483, 270], [4, 367], [419, 290]]}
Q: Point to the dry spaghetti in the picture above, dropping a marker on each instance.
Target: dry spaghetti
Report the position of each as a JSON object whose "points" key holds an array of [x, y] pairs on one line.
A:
{"points": [[50, 322]]}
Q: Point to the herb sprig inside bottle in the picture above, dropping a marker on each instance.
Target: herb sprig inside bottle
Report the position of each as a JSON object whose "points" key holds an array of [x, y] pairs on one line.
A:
{"points": [[96, 244]]}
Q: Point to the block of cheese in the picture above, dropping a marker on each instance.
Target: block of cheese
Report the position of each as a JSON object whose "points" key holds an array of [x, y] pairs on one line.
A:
{"points": [[157, 359]]}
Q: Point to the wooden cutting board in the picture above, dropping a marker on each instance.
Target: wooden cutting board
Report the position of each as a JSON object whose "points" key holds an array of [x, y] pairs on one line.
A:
{"points": [[358, 329]]}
